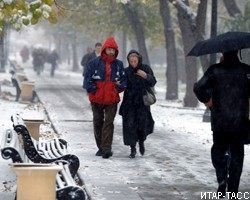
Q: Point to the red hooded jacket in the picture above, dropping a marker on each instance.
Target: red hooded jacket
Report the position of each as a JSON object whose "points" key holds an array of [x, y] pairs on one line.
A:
{"points": [[102, 75]]}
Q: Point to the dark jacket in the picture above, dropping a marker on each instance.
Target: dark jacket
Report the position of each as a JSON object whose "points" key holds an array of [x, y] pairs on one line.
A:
{"points": [[86, 59], [53, 57], [228, 84], [137, 118], [101, 77]]}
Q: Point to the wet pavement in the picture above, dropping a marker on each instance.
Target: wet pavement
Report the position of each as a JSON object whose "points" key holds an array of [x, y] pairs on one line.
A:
{"points": [[171, 169]]}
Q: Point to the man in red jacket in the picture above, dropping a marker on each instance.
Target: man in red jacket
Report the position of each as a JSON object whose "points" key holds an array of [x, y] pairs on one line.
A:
{"points": [[104, 80]]}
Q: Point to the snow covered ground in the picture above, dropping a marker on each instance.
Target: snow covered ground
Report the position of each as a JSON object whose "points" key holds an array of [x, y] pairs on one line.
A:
{"points": [[177, 161]]}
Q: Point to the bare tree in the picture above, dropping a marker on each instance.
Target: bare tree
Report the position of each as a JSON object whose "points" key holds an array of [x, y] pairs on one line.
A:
{"points": [[191, 32], [4, 47], [171, 57], [74, 53], [137, 26], [231, 7], [200, 33]]}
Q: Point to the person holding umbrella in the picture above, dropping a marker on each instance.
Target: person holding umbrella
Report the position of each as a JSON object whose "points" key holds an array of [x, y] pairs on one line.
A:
{"points": [[225, 89]]}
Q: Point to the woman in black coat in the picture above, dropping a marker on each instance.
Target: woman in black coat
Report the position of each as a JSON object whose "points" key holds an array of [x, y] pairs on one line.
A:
{"points": [[137, 119]]}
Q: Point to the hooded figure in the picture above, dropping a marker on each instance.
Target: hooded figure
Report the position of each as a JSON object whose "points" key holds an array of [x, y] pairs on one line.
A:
{"points": [[225, 89], [137, 118], [104, 80]]}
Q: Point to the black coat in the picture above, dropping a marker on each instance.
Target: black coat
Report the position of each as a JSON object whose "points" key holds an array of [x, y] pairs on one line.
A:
{"points": [[228, 84], [137, 118]]}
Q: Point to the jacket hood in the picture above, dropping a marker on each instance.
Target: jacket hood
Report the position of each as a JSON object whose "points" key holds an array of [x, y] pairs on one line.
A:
{"points": [[138, 55], [110, 42]]}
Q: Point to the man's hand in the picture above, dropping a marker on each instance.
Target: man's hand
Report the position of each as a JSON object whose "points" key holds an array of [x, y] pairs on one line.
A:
{"points": [[209, 103]]}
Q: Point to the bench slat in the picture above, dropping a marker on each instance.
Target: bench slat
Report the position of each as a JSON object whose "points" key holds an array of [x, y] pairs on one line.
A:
{"points": [[54, 150], [50, 148], [62, 149], [66, 173]]}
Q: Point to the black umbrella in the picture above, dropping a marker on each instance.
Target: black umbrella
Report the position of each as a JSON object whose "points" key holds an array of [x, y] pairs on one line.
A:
{"points": [[222, 43]]}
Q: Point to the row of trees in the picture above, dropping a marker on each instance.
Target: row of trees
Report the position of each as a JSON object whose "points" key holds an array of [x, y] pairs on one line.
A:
{"points": [[175, 24], [18, 13]]}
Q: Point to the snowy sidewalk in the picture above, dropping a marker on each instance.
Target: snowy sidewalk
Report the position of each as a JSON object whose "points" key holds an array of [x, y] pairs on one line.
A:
{"points": [[176, 165]]}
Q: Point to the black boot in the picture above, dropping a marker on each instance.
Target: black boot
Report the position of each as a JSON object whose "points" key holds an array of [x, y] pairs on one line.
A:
{"points": [[232, 192], [133, 151], [99, 153], [141, 147], [107, 153], [221, 191]]}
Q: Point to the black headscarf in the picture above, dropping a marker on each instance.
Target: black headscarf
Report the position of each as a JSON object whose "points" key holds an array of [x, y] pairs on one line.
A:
{"points": [[135, 53]]}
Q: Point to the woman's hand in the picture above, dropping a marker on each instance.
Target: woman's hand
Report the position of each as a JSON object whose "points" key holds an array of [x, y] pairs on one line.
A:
{"points": [[141, 73]]}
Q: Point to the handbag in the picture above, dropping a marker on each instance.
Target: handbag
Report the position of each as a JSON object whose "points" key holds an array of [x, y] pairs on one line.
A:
{"points": [[149, 98]]}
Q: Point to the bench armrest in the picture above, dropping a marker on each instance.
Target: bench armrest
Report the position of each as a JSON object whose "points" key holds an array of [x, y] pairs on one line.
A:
{"points": [[35, 157]]}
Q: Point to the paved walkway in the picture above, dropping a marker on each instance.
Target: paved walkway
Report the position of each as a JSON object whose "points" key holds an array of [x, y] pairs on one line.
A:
{"points": [[176, 165]]}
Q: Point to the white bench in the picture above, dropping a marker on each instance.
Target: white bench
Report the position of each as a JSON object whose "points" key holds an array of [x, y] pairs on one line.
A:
{"points": [[27, 150]]}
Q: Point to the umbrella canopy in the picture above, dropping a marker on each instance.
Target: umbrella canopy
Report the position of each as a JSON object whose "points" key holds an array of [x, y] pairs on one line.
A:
{"points": [[222, 43]]}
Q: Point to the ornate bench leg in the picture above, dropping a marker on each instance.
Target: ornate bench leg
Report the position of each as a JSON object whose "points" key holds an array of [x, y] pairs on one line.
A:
{"points": [[70, 193]]}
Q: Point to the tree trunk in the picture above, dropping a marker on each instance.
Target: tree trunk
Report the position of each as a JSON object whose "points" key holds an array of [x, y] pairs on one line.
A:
{"points": [[138, 28], [171, 57], [7, 43], [74, 55], [231, 7], [201, 30], [68, 54], [124, 47], [3, 54], [190, 99], [2, 57], [186, 20], [192, 30]]}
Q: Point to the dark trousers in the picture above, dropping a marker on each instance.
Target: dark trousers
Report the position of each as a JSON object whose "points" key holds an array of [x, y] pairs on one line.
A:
{"points": [[53, 68], [103, 121], [228, 167]]}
